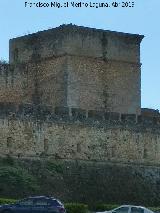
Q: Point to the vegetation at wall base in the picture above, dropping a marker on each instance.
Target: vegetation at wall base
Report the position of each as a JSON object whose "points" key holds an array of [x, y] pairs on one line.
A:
{"points": [[25, 178], [76, 208], [69, 180], [7, 201], [102, 206], [12, 178]]}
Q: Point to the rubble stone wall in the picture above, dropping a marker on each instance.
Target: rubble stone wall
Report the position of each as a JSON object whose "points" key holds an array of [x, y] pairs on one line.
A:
{"points": [[70, 133]]}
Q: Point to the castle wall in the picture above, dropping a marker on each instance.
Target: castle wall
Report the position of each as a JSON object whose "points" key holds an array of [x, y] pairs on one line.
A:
{"points": [[11, 84], [69, 138]]}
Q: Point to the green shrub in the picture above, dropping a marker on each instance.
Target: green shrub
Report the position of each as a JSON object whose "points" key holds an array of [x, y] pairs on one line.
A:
{"points": [[54, 167], [6, 201], [76, 208], [154, 209], [8, 160], [15, 179], [102, 207]]}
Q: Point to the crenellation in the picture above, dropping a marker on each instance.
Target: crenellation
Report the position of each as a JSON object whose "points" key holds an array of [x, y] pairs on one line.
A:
{"points": [[148, 120], [62, 111], [45, 113], [97, 115], [112, 116], [79, 114], [129, 118]]}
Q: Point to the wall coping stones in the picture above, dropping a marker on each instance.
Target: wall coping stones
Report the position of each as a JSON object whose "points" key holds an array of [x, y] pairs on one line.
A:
{"points": [[78, 114], [97, 115], [112, 116], [101, 118], [129, 118]]}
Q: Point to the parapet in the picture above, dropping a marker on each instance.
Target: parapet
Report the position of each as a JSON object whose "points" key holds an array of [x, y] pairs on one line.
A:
{"points": [[76, 40], [43, 113], [150, 112]]}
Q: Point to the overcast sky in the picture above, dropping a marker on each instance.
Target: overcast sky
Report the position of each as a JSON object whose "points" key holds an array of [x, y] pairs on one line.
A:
{"points": [[143, 18]]}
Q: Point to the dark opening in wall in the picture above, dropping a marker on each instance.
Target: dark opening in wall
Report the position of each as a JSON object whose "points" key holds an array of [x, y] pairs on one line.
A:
{"points": [[46, 145], [79, 147], [10, 144], [145, 153]]}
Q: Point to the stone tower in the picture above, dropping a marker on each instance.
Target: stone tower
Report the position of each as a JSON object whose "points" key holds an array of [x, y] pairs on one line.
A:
{"points": [[82, 67]]}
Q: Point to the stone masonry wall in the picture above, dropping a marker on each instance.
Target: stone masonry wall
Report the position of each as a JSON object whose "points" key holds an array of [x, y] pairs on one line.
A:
{"points": [[67, 135], [82, 156], [34, 83], [96, 84], [79, 82]]}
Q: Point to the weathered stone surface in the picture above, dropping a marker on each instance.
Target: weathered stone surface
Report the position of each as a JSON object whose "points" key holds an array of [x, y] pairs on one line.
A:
{"points": [[72, 140], [76, 82], [129, 118]]}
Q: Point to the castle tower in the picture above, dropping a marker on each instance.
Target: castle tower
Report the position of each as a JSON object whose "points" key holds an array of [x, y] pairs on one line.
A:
{"points": [[83, 68]]}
